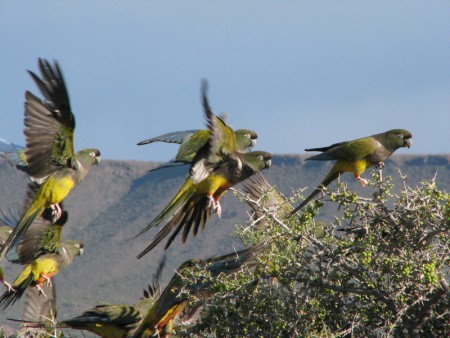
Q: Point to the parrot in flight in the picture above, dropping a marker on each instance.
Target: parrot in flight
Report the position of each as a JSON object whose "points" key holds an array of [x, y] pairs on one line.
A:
{"points": [[50, 157]]}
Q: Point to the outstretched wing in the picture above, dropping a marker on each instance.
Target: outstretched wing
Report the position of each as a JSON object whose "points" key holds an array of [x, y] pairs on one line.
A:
{"points": [[49, 124], [221, 143]]}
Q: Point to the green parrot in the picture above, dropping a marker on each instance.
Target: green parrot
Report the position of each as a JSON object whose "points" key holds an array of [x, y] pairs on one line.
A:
{"points": [[113, 320], [52, 163], [179, 292], [117, 320], [41, 270], [357, 155], [216, 167], [41, 252], [191, 141]]}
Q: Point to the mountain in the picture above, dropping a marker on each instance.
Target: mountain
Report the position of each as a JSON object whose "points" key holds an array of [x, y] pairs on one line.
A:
{"points": [[118, 199]]}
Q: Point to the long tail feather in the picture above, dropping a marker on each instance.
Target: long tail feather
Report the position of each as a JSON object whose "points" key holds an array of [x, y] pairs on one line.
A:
{"points": [[30, 215], [182, 195], [328, 179], [10, 297]]}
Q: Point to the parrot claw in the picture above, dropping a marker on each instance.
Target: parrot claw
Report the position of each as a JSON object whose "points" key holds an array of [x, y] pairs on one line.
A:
{"points": [[40, 290], [380, 165], [362, 181], [214, 205], [47, 280], [211, 203], [218, 209], [56, 211], [8, 286]]}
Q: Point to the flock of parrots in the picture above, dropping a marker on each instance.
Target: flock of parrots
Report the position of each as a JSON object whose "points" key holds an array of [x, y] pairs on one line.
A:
{"points": [[218, 158]]}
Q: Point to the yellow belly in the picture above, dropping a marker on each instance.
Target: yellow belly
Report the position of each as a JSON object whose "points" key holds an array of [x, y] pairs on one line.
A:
{"points": [[55, 189], [355, 167]]}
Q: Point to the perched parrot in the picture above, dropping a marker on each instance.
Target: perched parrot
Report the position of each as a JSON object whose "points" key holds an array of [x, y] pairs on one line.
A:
{"points": [[216, 167], [192, 140], [52, 163], [357, 155], [178, 292]]}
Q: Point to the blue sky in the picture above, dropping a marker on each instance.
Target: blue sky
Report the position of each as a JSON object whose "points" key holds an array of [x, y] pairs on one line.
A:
{"points": [[300, 73]]}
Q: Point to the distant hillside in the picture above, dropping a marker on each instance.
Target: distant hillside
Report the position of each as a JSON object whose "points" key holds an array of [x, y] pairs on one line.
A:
{"points": [[119, 198]]}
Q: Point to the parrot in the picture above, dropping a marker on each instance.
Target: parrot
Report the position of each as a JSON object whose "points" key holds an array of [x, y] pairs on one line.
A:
{"points": [[216, 167], [357, 155], [51, 160], [192, 140], [174, 297]]}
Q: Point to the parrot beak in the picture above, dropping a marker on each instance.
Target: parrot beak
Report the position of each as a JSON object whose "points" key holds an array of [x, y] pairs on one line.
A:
{"points": [[98, 159], [268, 164], [408, 142], [81, 251]]}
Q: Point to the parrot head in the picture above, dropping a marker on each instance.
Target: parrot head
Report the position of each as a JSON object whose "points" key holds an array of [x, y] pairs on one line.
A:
{"points": [[258, 160], [245, 138], [89, 156], [398, 138]]}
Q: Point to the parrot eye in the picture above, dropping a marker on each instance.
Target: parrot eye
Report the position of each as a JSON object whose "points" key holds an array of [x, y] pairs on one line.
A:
{"points": [[401, 135], [77, 246], [93, 154], [260, 157], [247, 135]]}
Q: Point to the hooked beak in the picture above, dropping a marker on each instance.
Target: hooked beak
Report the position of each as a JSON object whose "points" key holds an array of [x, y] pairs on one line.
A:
{"points": [[268, 164], [81, 251], [408, 142], [98, 159]]}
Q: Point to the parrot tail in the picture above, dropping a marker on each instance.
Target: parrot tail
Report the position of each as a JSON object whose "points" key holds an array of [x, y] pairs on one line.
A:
{"points": [[330, 178], [22, 226], [182, 195], [193, 212], [10, 296]]}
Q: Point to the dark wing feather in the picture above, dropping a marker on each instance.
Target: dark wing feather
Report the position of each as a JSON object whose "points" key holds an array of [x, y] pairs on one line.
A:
{"points": [[49, 125]]}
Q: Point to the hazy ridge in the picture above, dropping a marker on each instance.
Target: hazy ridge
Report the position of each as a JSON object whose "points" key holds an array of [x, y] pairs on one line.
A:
{"points": [[119, 198]]}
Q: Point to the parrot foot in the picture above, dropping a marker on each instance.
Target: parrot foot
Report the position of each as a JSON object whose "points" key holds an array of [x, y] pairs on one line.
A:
{"points": [[56, 211], [362, 181], [211, 203], [214, 205], [8, 286], [380, 165], [40, 290], [218, 209], [47, 280]]}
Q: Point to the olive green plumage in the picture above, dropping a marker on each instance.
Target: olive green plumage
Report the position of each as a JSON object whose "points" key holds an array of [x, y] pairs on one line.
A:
{"points": [[179, 292], [216, 167], [40, 270], [51, 160], [357, 155], [191, 141]]}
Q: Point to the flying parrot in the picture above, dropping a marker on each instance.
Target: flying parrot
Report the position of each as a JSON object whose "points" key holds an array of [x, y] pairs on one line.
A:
{"points": [[52, 163], [191, 141], [41, 270], [357, 155], [117, 320], [113, 320], [217, 166], [178, 291]]}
